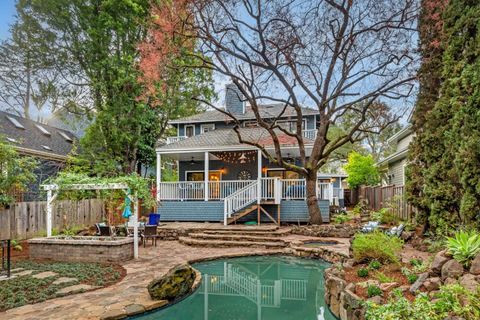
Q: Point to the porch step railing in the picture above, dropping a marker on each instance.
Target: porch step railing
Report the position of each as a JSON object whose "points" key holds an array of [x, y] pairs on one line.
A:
{"points": [[240, 199]]}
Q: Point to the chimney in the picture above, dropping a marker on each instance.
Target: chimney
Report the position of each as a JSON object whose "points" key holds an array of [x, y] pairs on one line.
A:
{"points": [[234, 99]]}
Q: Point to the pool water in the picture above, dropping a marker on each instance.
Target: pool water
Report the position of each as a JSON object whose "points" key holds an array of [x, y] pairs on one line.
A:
{"points": [[248, 288]]}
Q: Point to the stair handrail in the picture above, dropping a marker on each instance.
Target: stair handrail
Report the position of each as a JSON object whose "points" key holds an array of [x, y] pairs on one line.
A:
{"points": [[240, 199]]}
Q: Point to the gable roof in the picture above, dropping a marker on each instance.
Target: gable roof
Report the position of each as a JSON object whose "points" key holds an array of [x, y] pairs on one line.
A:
{"points": [[36, 138], [227, 138], [266, 111]]}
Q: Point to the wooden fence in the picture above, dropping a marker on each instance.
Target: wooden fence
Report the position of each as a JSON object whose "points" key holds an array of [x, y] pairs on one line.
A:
{"points": [[388, 196], [26, 220]]}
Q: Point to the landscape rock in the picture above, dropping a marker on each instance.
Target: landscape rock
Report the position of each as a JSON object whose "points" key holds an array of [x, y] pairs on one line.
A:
{"points": [[452, 269], [475, 267], [468, 282], [327, 230], [388, 286], [377, 300], [432, 284], [438, 261], [406, 235], [417, 284], [175, 284], [368, 283], [450, 281]]}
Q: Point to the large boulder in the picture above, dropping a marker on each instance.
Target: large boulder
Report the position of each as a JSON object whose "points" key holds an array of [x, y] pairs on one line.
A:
{"points": [[438, 261], [432, 284], [175, 284], [475, 267], [452, 269]]}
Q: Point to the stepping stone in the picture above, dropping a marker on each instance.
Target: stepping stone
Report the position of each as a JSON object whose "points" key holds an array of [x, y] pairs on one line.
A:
{"points": [[24, 273], [75, 289], [44, 275], [3, 278], [16, 270], [63, 280]]}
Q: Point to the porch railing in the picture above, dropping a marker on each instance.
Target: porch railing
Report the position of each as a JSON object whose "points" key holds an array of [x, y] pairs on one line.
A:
{"points": [[310, 134], [270, 189]]}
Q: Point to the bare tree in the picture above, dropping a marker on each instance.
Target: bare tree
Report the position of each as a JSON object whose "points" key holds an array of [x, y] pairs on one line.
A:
{"points": [[339, 56]]}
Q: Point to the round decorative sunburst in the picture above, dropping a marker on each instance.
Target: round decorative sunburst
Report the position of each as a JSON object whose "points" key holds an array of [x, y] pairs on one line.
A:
{"points": [[244, 175]]}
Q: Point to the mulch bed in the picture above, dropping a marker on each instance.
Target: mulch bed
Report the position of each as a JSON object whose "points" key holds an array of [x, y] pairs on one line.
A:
{"points": [[391, 270]]}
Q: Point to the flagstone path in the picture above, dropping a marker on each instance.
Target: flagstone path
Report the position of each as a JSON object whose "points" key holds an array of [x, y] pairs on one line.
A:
{"points": [[130, 295]]}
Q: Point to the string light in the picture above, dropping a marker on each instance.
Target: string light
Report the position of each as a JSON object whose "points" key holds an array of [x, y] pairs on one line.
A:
{"points": [[236, 156]]}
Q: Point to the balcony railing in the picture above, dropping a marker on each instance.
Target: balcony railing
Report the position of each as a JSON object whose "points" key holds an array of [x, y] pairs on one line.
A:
{"points": [[175, 139], [309, 134]]}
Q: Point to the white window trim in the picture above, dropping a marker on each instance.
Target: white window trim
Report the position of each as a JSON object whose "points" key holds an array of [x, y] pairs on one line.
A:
{"points": [[304, 122], [202, 126], [185, 129]]}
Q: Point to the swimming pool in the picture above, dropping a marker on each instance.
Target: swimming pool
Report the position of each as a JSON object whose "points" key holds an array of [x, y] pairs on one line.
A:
{"points": [[248, 288]]}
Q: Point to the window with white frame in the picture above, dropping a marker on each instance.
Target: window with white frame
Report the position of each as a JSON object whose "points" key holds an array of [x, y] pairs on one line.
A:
{"points": [[291, 125], [207, 127]]}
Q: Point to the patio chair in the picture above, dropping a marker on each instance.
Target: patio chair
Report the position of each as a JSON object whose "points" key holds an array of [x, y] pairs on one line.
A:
{"points": [[97, 227], [150, 232]]}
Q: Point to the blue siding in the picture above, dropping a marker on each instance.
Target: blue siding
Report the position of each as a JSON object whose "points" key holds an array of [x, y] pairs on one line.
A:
{"points": [[191, 211], [292, 211]]}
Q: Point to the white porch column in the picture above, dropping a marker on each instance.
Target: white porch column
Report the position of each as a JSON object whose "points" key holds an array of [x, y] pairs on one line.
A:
{"points": [[259, 175], [159, 174], [206, 175]]}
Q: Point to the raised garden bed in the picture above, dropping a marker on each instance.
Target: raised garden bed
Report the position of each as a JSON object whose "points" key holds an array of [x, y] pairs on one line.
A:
{"points": [[86, 249]]}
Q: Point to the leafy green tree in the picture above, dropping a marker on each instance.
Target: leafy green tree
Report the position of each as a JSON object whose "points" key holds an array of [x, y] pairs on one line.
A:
{"points": [[16, 172], [99, 42], [361, 170]]}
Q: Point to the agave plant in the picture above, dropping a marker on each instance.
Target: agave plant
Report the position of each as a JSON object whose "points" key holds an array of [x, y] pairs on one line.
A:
{"points": [[464, 246]]}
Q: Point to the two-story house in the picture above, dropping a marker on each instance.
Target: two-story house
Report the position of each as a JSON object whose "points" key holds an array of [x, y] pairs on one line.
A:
{"points": [[221, 179], [393, 166]]}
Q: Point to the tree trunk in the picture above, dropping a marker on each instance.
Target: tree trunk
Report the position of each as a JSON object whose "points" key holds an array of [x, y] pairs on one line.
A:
{"points": [[312, 200]]}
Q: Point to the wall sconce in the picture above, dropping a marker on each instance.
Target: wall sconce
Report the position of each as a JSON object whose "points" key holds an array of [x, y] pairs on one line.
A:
{"points": [[332, 180], [264, 170], [222, 170]]}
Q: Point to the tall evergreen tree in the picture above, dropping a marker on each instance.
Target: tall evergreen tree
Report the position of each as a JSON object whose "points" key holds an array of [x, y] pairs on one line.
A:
{"points": [[443, 177]]}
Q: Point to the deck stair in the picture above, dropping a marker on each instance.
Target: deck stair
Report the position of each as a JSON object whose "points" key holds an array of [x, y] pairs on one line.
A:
{"points": [[270, 239]]}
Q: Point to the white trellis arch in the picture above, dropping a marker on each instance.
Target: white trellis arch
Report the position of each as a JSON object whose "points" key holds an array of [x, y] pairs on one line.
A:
{"points": [[52, 193]]}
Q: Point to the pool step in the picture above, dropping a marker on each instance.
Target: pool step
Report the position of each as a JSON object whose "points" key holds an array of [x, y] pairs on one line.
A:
{"points": [[235, 237], [228, 243]]}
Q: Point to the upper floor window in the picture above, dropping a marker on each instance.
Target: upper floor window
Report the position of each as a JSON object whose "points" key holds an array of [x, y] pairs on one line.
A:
{"points": [[189, 130], [250, 124], [207, 127]]}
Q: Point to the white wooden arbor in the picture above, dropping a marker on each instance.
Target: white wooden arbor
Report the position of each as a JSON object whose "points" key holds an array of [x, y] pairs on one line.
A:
{"points": [[52, 193]]}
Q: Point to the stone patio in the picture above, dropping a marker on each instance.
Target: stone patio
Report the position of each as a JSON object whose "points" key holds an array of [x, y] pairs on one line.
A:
{"points": [[130, 296]]}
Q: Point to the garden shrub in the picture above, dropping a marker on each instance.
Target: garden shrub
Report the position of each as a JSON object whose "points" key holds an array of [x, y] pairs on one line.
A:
{"points": [[384, 216], [411, 275], [362, 273], [341, 218], [373, 291], [416, 262], [376, 246], [374, 265], [452, 301], [464, 246]]}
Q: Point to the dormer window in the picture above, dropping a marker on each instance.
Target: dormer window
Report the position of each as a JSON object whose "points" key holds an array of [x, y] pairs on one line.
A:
{"points": [[207, 127], [12, 140], [42, 130], [15, 122], [47, 148]]}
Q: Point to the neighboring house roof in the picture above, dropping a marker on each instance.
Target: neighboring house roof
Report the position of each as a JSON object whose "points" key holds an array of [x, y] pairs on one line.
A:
{"points": [[402, 133], [397, 156], [266, 111], [227, 138], [35, 138]]}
